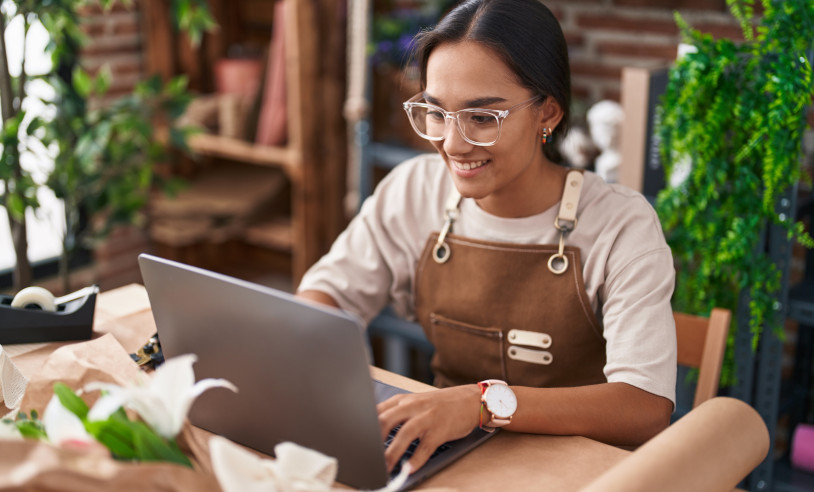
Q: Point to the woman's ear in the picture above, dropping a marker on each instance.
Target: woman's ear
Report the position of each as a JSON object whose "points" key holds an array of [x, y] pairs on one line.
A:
{"points": [[550, 113]]}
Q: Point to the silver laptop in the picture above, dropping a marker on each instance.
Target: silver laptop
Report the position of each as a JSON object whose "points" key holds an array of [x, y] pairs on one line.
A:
{"points": [[301, 369]]}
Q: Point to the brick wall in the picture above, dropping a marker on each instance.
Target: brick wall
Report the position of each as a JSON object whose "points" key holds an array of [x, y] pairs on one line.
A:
{"points": [[606, 35], [114, 39]]}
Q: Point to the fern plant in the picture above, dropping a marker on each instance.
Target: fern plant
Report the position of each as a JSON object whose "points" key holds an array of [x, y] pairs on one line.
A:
{"points": [[730, 129]]}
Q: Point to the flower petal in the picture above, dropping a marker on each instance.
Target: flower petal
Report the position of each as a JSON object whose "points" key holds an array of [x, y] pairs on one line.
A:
{"points": [[106, 405], [180, 411], [62, 425], [153, 410], [9, 431], [173, 381]]}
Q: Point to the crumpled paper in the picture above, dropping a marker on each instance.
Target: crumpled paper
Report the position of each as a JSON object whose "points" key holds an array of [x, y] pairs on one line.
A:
{"points": [[296, 469], [12, 382], [101, 359], [27, 465]]}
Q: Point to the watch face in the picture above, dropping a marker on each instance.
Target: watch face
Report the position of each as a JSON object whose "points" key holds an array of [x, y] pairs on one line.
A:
{"points": [[500, 400]]}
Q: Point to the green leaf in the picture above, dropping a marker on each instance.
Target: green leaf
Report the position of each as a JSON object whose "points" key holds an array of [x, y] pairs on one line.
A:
{"points": [[82, 82], [102, 82], [177, 85], [15, 205], [116, 435], [151, 447], [31, 429], [70, 400]]}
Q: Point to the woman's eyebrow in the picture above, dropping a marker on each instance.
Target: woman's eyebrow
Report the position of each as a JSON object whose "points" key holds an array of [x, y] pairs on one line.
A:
{"points": [[472, 103], [483, 101]]}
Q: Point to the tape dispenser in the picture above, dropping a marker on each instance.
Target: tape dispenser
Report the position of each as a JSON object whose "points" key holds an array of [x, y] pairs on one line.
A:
{"points": [[35, 315]]}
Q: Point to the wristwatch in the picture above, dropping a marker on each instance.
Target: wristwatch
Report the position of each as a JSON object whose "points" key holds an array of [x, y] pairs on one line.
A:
{"points": [[499, 400]]}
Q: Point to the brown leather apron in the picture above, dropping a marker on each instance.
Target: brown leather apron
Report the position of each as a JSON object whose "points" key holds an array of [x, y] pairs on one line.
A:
{"points": [[514, 312]]}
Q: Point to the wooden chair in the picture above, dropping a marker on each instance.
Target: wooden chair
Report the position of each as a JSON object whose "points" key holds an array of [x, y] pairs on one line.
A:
{"points": [[701, 345]]}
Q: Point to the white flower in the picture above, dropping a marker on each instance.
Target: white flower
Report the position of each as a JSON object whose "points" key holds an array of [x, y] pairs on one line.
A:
{"points": [[9, 431], [62, 426], [164, 402]]}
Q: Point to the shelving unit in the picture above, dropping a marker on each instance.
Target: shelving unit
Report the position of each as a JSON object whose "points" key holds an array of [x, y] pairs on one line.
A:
{"points": [[313, 159], [240, 150], [759, 372]]}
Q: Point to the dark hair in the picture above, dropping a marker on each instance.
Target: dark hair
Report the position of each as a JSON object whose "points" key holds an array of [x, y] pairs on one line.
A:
{"points": [[524, 33]]}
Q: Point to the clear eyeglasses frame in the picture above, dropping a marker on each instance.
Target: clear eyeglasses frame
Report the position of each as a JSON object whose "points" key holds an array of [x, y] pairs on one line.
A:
{"points": [[476, 125]]}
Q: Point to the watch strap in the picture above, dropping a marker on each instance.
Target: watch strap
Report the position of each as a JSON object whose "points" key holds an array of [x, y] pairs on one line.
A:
{"points": [[494, 422]]}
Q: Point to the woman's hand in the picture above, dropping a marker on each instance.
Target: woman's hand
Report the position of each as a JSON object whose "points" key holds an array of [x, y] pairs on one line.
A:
{"points": [[434, 417]]}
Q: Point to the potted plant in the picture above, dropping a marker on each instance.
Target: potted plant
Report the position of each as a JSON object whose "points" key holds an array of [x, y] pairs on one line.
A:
{"points": [[730, 127], [103, 158], [394, 79]]}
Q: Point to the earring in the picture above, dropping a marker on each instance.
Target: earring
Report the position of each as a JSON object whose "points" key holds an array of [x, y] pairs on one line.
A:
{"points": [[545, 135]]}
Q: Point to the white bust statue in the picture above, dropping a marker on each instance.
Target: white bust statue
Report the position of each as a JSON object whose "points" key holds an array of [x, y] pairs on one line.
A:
{"points": [[605, 123]]}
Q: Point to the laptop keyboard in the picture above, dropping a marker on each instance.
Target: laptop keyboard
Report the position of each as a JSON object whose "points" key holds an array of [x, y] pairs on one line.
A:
{"points": [[410, 449]]}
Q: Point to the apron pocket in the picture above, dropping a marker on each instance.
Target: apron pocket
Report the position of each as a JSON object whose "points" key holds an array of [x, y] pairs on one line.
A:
{"points": [[465, 353]]}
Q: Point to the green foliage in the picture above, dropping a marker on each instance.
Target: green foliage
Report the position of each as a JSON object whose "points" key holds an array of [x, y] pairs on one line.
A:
{"points": [[103, 157], [108, 170], [734, 114], [194, 18], [31, 428], [128, 440], [134, 440]]}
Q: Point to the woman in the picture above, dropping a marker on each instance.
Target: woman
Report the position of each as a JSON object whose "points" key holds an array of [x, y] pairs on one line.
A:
{"points": [[546, 294]]}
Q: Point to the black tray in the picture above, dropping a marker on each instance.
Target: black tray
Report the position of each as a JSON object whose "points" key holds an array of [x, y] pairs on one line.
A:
{"points": [[72, 321]]}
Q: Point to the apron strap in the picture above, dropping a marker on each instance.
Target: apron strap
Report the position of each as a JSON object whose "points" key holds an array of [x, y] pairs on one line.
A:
{"points": [[441, 251], [566, 219]]}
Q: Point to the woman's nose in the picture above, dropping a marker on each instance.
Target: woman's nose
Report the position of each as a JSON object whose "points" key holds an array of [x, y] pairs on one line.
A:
{"points": [[454, 142]]}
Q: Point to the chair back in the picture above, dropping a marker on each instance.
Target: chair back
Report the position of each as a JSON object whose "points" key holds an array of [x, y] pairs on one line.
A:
{"points": [[701, 345]]}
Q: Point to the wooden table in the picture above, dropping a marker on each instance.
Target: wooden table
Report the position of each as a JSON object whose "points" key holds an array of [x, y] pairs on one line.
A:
{"points": [[509, 461]]}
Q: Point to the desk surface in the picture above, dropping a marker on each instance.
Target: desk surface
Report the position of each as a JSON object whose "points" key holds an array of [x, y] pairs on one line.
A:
{"points": [[510, 461]]}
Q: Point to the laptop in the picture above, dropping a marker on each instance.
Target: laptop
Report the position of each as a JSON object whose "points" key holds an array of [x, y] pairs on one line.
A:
{"points": [[302, 370]]}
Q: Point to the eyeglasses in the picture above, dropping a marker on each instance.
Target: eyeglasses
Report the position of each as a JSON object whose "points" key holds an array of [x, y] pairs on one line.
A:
{"points": [[477, 126]]}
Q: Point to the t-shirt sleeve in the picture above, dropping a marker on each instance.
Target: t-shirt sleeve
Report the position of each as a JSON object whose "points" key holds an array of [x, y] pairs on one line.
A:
{"points": [[639, 326], [370, 265], [635, 297]]}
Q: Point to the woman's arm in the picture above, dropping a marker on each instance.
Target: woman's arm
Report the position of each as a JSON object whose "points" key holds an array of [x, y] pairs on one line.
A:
{"points": [[318, 296], [615, 413]]}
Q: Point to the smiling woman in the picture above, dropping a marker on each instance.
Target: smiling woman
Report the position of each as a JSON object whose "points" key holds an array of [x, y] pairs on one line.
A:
{"points": [[535, 284]]}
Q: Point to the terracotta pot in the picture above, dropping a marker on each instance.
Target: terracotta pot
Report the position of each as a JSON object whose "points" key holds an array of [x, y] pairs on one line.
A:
{"points": [[238, 75]]}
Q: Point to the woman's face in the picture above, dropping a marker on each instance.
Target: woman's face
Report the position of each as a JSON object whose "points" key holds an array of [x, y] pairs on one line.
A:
{"points": [[507, 175]]}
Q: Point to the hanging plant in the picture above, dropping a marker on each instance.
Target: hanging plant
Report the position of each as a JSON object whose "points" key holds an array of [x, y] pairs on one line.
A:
{"points": [[730, 127]]}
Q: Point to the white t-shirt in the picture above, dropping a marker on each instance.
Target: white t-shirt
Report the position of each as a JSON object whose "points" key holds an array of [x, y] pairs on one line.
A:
{"points": [[626, 263]]}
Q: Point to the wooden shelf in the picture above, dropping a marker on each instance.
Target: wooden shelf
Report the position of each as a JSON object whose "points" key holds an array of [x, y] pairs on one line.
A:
{"points": [[211, 145], [274, 234], [313, 158]]}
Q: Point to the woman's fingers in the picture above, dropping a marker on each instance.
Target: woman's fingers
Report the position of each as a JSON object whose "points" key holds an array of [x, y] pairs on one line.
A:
{"points": [[408, 433], [434, 418], [391, 413]]}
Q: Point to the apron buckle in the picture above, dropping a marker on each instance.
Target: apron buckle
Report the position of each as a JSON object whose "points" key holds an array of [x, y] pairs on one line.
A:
{"points": [[558, 263], [441, 251]]}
